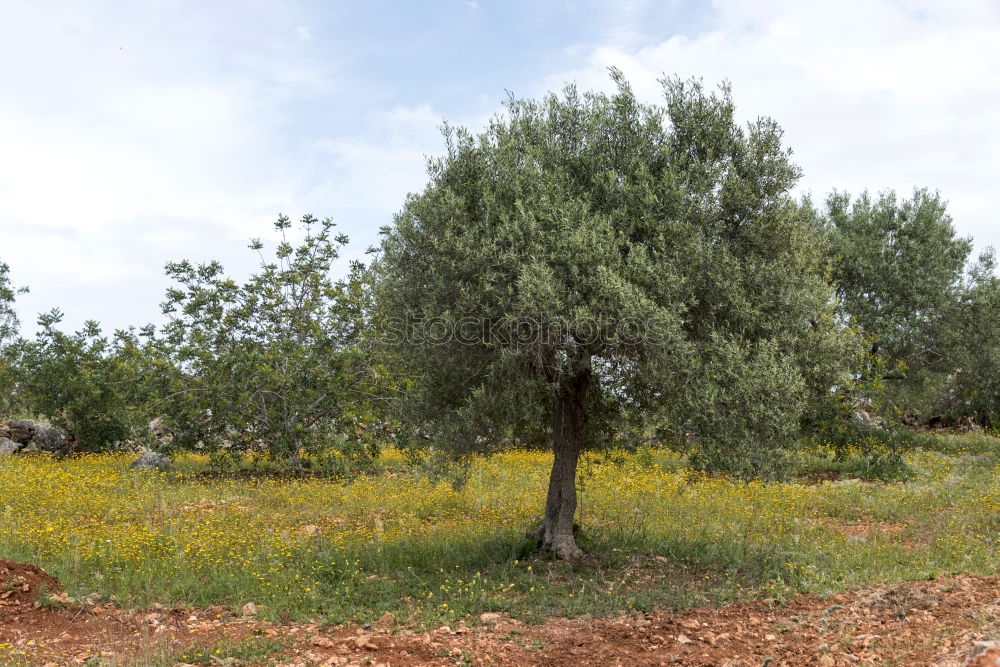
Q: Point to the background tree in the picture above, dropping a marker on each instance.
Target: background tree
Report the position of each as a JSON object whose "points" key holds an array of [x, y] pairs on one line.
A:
{"points": [[9, 327], [85, 382], [898, 268], [588, 259], [272, 364], [8, 293], [974, 387]]}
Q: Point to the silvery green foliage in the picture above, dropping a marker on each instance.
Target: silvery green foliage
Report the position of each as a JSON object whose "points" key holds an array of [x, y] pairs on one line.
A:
{"points": [[655, 248], [9, 326], [8, 293], [974, 389], [898, 266], [270, 364]]}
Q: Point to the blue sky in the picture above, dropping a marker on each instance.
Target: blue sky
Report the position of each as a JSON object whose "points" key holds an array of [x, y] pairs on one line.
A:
{"points": [[133, 133]]}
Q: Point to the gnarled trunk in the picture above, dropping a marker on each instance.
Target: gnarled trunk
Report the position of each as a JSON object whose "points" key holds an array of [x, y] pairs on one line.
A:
{"points": [[568, 419]]}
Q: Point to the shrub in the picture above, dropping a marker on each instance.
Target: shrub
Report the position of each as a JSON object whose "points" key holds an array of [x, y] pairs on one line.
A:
{"points": [[274, 365]]}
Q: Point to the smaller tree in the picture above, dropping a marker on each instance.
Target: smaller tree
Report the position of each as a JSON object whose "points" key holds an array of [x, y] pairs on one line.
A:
{"points": [[81, 381], [974, 390], [273, 363], [8, 293], [898, 268], [8, 332]]}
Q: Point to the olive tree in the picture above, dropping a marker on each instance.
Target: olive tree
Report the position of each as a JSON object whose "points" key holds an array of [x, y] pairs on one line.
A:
{"points": [[590, 262], [974, 388], [8, 293], [898, 266], [9, 327]]}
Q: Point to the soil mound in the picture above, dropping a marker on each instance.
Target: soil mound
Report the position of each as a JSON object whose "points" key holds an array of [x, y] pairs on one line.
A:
{"points": [[20, 585]]}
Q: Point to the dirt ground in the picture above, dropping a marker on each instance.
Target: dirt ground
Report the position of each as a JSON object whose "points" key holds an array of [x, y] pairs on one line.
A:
{"points": [[917, 623]]}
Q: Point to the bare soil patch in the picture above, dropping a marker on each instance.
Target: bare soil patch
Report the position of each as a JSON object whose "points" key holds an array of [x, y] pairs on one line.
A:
{"points": [[915, 623]]}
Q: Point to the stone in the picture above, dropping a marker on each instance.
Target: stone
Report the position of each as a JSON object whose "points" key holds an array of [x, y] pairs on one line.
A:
{"points": [[156, 427], [984, 654], [48, 438], [322, 642], [151, 460], [8, 446], [21, 430]]}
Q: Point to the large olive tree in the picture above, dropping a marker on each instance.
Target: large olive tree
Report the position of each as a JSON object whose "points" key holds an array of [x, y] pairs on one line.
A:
{"points": [[590, 260]]}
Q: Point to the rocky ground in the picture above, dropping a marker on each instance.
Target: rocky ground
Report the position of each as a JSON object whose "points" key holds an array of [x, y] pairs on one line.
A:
{"points": [[918, 623]]}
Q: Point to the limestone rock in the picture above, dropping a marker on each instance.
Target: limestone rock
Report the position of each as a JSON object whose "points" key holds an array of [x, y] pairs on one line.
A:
{"points": [[157, 427], [48, 438], [984, 654], [21, 430], [8, 446], [151, 460]]}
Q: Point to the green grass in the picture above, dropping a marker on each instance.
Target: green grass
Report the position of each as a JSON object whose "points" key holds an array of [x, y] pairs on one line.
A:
{"points": [[230, 653], [657, 534]]}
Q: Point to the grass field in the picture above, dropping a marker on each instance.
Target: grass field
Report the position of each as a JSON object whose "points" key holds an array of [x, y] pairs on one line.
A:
{"points": [[428, 550]]}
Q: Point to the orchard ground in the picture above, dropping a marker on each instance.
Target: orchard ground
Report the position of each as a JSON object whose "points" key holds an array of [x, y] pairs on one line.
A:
{"points": [[404, 566]]}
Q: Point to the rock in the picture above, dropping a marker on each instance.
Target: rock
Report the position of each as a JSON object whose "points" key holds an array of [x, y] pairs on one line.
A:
{"points": [[156, 427], [984, 654], [865, 420], [8, 446], [249, 609], [322, 642], [21, 430], [968, 424], [151, 460], [48, 438]]}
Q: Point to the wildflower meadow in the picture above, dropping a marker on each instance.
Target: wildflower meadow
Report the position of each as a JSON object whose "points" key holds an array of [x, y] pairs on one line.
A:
{"points": [[433, 548]]}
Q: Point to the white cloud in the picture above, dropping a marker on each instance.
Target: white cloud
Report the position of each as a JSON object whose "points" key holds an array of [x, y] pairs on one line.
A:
{"points": [[134, 134], [372, 172], [114, 275], [119, 144], [871, 93]]}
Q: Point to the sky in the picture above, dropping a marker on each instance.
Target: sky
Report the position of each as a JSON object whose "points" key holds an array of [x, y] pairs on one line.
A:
{"points": [[137, 133]]}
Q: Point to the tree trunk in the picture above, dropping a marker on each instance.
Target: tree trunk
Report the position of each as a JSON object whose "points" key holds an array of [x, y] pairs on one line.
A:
{"points": [[295, 461], [568, 419]]}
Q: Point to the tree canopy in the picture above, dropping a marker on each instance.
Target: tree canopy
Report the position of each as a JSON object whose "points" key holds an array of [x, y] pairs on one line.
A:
{"points": [[590, 261], [898, 267], [271, 364]]}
